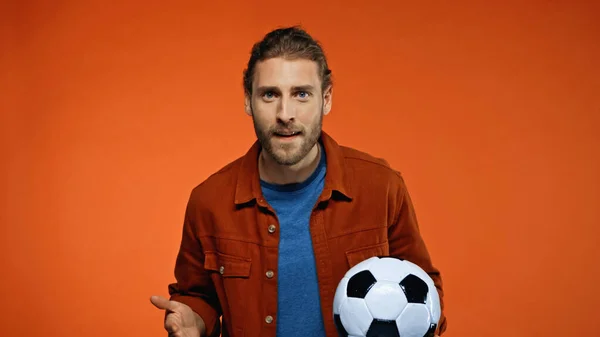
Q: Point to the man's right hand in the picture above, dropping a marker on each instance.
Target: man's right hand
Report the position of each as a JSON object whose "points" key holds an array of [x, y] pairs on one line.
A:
{"points": [[180, 320]]}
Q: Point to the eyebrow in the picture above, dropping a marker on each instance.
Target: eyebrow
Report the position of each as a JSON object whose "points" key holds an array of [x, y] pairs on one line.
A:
{"points": [[306, 87]]}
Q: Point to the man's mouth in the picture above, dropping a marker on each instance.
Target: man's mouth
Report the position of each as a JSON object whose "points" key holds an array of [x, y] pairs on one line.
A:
{"points": [[287, 134]]}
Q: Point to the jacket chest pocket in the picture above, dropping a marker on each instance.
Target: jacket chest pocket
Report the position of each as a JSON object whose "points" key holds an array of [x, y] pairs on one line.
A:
{"points": [[228, 266], [356, 256]]}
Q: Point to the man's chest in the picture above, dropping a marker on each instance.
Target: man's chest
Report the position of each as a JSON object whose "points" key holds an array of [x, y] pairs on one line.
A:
{"points": [[339, 233]]}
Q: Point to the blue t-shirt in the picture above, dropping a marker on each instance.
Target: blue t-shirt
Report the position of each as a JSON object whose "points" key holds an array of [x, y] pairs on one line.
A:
{"points": [[299, 302]]}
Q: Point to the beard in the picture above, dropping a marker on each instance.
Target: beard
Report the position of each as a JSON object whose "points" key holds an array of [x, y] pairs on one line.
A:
{"points": [[289, 154]]}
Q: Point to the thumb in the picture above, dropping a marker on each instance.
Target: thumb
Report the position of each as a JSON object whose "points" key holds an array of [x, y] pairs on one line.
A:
{"points": [[162, 303]]}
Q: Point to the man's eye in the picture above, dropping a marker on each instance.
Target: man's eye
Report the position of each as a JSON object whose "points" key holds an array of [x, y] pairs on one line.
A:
{"points": [[303, 94], [269, 95]]}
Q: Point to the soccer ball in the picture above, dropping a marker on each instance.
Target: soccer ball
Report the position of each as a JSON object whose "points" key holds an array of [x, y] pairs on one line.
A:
{"points": [[386, 297]]}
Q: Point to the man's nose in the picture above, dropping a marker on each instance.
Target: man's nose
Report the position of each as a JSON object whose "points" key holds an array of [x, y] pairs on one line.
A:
{"points": [[286, 110]]}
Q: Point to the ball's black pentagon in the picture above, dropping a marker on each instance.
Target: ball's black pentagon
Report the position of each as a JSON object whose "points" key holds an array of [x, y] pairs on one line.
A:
{"points": [[415, 289], [431, 331], [340, 328], [381, 328], [359, 284]]}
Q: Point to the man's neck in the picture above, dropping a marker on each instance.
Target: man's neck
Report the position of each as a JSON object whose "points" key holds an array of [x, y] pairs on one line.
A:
{"points": [[274, 173]]}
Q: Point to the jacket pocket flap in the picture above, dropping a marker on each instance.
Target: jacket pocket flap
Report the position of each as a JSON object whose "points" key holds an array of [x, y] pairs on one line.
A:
{"points": [[355, 256], [227, 265]]}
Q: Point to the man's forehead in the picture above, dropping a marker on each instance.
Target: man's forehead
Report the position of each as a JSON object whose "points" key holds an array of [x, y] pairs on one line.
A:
{"points": [[286, 73]]}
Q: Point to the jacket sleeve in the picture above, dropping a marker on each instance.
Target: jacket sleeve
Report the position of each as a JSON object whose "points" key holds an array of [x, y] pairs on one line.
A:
{"points": [[406, 243], [193, 285]]}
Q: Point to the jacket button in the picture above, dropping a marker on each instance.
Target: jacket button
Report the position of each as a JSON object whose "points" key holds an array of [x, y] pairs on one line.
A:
{"points": [[222, 270], [271, 229], [269, 273], [269, 319]]}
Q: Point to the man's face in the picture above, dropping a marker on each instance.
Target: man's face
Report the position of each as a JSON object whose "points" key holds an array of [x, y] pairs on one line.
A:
{"points": [[287, 107]]}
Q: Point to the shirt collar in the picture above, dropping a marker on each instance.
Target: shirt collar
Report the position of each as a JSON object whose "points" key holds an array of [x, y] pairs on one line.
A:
{"points": [[336, 183]]}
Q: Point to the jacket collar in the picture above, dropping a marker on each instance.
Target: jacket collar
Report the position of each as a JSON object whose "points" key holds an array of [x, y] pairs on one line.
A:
{"points": [[248, 180]]}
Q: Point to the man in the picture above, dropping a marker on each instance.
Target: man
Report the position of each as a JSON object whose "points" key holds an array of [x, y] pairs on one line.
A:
{"points": [[267, 238]]}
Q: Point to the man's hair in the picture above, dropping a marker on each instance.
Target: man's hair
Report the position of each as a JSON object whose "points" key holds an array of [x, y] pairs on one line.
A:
{"points": [[290, 43]]}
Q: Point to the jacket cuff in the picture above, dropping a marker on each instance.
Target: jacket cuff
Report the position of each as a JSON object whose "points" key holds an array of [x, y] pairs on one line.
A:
{"points": [[204, 310], [441, 328]]}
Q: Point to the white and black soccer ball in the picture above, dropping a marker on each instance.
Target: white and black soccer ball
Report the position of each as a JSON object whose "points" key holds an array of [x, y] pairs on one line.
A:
{"points": [[386, 297]]}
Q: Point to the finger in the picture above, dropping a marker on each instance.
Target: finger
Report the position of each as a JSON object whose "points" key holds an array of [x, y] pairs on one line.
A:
{"points": [[162, 303]]}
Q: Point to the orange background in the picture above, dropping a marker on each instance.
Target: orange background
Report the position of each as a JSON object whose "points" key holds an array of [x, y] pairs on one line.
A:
{"points": [[112, 112]]}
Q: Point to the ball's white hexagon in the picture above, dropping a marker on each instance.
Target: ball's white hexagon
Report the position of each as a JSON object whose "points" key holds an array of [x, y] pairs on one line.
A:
{"points": [[433, 305], [389, 269], [355, 316], [386, 300], [340, 295], [414, 321], [363, 265]]}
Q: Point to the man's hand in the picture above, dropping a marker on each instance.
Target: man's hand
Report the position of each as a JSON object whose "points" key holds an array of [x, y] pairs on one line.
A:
{"points": [[180, 320]]}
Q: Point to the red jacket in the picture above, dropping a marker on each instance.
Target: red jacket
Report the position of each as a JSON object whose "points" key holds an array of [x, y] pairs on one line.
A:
{"points": [[227, 262]]}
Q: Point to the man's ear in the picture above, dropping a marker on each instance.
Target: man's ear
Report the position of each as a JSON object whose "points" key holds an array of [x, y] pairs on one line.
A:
{"points": [[248, 105], [327, 96]]}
